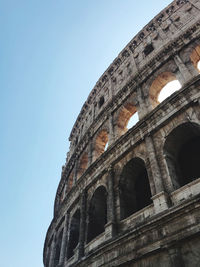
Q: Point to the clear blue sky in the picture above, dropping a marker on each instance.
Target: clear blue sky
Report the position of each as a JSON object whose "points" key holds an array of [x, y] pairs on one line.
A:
{"points": [[51, 55]]}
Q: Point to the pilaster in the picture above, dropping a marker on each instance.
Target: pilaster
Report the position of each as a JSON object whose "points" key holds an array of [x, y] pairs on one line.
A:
{"points": [[111, 129], [82, 224], [110, 227], [160, 198], [185, 74], [63, 243], [90, 151]]}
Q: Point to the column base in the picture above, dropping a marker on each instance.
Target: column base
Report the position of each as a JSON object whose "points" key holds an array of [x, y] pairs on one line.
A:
{"points": [[160, 202], [110, 230]]}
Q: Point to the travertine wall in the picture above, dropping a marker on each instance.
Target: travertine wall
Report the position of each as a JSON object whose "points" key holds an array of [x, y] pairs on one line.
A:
{"points": [[122, 200]]}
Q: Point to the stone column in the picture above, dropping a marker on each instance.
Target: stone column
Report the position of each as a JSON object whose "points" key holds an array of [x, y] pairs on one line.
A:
{"points": [[75, 171], [142, 107], [160, 199], [93, 110], [82, 225], [110, 227], [110, 87], [63, 243], [111, 129], [90, 152], [67, 234], [52, 251], [186, 75]]}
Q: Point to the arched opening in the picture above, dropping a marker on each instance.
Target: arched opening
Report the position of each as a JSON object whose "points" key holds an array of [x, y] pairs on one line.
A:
{"points": [[135, 193], [168, 89], [58, 248], [101, 101], [83, 163], [97, 213], [127, 118], [74, 234], [101, 143], [182, 153], [162, 87], [132, 121], [195, 57]]}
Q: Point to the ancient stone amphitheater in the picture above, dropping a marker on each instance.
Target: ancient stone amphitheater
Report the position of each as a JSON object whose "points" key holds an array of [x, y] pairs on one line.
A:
{"points": [[130, 195]]}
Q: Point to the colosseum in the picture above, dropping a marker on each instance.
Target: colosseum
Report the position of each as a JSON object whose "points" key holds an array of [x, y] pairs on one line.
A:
{"points": [[129, 194]]}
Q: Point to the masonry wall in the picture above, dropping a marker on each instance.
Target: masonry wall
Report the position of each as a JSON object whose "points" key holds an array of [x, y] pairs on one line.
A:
{"points": [[130, 197]]}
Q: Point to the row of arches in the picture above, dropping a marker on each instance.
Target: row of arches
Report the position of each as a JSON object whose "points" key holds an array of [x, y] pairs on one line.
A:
{"points": [[182, 154], [97, 218], [162, 87]]}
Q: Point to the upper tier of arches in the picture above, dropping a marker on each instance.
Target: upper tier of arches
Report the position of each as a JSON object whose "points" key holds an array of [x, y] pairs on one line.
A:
{"points": [[160, 86], [145, 78], [131, 90], [133, 58]]}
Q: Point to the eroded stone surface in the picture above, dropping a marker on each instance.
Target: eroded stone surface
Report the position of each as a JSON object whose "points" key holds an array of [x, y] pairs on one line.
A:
{"points": [[136, 202]]}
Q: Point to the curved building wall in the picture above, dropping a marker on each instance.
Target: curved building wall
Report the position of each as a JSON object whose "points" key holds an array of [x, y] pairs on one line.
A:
{"points": [[130, 195]]}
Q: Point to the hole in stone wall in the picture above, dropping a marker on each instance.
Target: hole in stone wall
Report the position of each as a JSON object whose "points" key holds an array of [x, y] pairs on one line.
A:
{"points": [[168, 89], [106, 146], [163, 86], [135, 193], [148, 49], [97, 213], [74, 234], [76, 141], [182, 153], [132, 121], [127, 118], [100, 144], [101, 101]]}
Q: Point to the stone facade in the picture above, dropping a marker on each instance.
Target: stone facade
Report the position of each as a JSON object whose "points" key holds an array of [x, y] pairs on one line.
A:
{"points": [[131, 197]]}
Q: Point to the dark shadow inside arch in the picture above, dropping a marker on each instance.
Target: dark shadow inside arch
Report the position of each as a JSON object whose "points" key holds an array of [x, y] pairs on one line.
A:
{"points": [[74, 234], [182, 153], [97, 213], [58, 248], [135, 193]]}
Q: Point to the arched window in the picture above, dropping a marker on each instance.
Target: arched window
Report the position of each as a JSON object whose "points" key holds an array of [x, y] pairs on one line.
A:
{"points": [[101, 143], [134, 187], [162, 87], [168, 89], [195, 57], [83, 163], [74, 234], [58, 248], [97, 213], [127, 118], [182, 153]]}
